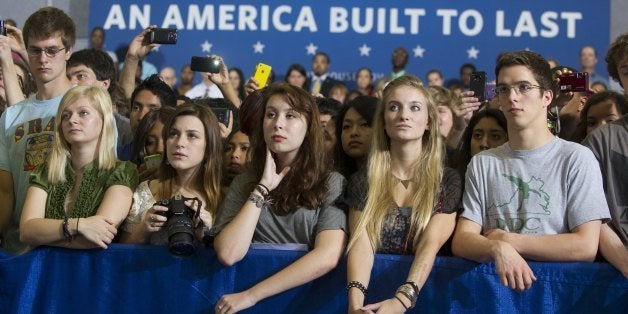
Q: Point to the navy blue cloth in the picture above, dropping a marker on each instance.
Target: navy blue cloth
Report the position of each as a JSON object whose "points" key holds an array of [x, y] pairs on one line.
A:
{"points": [[147, 279]]}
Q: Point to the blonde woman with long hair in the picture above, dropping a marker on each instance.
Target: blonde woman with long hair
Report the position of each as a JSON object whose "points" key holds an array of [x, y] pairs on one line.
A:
{"points": [[406, 201], [82, 194]]}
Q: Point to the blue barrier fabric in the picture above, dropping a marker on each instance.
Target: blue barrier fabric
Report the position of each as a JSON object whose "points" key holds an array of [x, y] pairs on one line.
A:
{"points": [[147, 279]]}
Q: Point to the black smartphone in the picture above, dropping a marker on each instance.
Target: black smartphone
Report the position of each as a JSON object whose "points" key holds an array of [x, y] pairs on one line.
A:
{"points": [[222, 114], [3, 31], [164, 36], [478, 85], [205, 64]]}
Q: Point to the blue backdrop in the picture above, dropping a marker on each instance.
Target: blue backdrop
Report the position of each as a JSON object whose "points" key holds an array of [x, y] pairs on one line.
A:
{"points": [[440, 34]]}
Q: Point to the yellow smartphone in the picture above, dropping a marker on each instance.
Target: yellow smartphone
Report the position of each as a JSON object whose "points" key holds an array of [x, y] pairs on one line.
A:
{"points": [[262, 72]]}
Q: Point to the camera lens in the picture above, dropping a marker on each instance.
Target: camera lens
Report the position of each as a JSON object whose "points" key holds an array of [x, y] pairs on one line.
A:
{"points": [[180, 229]]}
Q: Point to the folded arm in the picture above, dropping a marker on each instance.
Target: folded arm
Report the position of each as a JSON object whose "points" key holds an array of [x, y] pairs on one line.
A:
{"points": [[90, 232], [580, 245], [511, 268], [613, 250]]}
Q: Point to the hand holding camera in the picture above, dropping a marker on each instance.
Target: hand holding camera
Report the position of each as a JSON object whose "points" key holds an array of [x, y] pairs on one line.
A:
{"points": [[14, 38], [155, 218], [180, 223]]}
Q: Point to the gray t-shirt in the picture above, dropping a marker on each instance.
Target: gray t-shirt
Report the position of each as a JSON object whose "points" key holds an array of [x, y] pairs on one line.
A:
{"points": [[610, 146], [548, 190], [300, 226]]}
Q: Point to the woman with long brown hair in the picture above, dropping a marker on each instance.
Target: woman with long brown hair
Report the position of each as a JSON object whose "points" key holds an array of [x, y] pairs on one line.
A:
{"points": [[287, 197]]}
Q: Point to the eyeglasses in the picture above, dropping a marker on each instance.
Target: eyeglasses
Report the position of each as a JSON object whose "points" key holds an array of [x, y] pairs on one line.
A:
{"points": [[520, 88], [50, 51]]}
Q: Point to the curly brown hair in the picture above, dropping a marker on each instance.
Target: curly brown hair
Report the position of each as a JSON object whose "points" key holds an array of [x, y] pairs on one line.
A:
{"points": [[617, 52]]}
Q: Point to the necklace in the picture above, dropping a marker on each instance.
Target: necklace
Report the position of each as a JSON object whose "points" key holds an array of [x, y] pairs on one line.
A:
{"points": [[405, 182]]}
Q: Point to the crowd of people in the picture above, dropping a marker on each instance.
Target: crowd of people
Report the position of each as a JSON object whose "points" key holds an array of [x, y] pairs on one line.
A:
{"points": [[89, 152]]}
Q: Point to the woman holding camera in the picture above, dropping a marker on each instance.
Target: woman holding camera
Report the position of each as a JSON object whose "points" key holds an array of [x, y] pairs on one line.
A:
{"points": [[286, 198], [407, 201], [190, 167], [79, 197]]}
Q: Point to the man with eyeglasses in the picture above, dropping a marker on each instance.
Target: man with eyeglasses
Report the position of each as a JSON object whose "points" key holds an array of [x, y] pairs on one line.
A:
{"points": [[537, 196], [27, 128]]}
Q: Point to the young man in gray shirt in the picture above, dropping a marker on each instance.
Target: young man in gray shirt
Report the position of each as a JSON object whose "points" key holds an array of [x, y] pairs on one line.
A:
{"points": [[536, 197], [609, 144]]}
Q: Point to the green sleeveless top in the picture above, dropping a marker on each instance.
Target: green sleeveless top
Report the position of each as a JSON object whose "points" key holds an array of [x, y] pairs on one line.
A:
{"points": [[90, 191]]}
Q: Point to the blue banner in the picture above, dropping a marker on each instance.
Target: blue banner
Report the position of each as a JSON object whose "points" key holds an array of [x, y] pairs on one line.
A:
{"points": [[147, 279], [438, 34]]}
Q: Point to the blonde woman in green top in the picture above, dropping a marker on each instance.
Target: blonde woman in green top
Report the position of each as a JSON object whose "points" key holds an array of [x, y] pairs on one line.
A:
{"points": [[82, 194]]}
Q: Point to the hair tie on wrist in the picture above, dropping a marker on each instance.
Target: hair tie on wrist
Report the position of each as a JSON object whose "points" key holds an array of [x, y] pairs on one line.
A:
{"points": [[403, 304], [264, 190]]}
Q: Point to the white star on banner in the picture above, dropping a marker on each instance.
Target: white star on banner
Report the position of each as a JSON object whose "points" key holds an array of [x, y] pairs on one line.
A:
{"points": [[258, 47], [364, 50], [206, 46], [527, 49], [472, 53], [157, 47], [418, 51], [311, 49]]}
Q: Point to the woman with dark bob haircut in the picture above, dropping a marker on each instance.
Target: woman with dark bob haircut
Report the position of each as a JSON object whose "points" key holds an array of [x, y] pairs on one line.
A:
{"points": [[296, 75], [487, 129], [287, 198], [354, 131]]}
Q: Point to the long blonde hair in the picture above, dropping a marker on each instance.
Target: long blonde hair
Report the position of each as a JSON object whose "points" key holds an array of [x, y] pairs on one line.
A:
{"points": [[427, 175], [60, 153]]}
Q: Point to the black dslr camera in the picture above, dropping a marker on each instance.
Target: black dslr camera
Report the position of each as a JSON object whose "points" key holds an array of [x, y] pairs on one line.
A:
{"points": [[179, 225]]}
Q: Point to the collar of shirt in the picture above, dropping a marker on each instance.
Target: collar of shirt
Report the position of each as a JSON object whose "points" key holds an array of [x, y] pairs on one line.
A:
{"points": [[322, 78]]}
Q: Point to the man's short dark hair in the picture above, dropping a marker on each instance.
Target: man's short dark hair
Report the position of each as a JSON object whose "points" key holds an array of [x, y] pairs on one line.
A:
{"points": [[97, 60], [155, 85], [531, 60], [49, 21], [322, 54], [467, 65], [328, 106]]}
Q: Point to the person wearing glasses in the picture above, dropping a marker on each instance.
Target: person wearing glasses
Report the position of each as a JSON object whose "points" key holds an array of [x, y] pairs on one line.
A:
{"points": [[537, 197], [27, 129]]}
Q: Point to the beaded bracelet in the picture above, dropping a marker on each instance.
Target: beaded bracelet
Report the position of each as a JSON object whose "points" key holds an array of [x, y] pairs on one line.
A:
{"points": [[359, 285], [66, 229]]}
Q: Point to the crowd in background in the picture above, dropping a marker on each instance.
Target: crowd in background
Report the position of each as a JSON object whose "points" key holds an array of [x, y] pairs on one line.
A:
{"points": [[91, 146]]}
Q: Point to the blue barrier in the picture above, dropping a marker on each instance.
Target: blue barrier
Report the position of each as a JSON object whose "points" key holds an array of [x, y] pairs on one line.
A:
{"points": [[147, 279]]}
